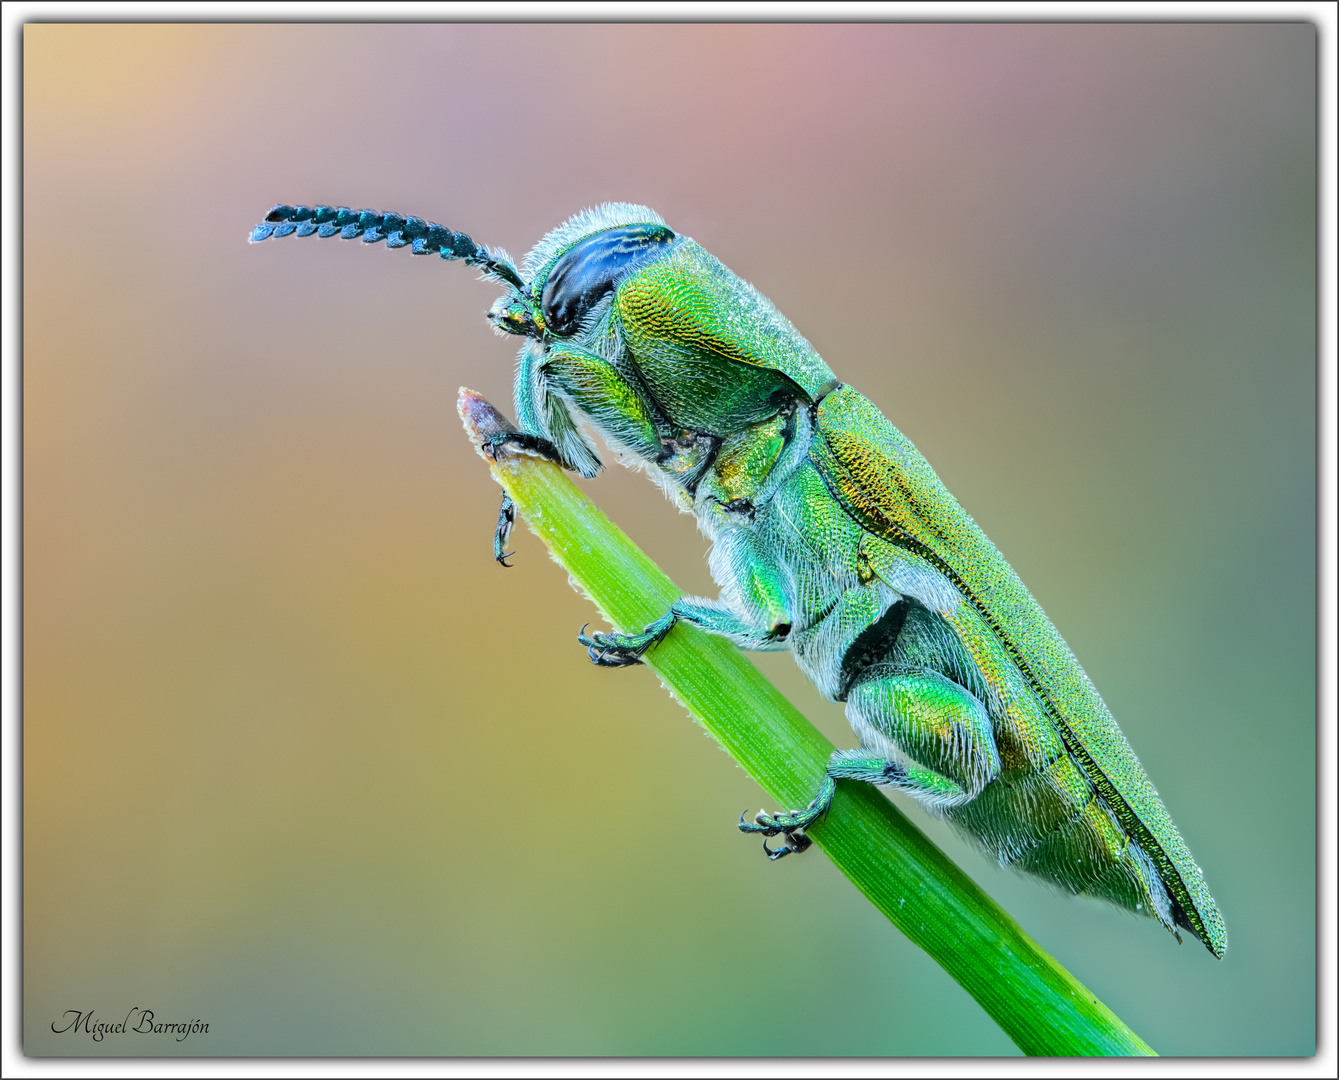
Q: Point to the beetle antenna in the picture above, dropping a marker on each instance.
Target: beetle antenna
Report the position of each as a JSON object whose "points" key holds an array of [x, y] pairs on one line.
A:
{"points": [[422, 237]]}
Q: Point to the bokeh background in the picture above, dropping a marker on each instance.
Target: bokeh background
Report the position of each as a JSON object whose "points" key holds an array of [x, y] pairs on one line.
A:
{"points": [[300, 761]]}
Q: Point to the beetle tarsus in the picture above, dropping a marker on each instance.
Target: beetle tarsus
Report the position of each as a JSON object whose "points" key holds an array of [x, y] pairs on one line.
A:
{"points": [[796, 843], [603, 653], [776, 824], [506, 518], [623, 650], [500, 445], [792, 825], [797, 840]]}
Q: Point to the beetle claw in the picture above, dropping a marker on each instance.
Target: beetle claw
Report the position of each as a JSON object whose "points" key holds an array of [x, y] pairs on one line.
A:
{"points": [[604, 651]]}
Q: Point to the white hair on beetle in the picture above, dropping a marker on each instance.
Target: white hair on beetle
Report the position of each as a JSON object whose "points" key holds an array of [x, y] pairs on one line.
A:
{"points": [[585, 223]]}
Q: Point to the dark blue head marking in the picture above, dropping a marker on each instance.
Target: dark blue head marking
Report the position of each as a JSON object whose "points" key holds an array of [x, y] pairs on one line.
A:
{"points": [[594, 267]]}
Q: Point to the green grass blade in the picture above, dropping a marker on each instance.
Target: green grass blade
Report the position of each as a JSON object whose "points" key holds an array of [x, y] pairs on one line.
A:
{"points": [[1040, 1006]]}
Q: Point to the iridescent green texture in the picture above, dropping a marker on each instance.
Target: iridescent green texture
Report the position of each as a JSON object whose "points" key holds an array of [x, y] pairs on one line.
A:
{"points": [[880, 476], [833, 538], [747, 458], [1036, 1002], [685, 317]]}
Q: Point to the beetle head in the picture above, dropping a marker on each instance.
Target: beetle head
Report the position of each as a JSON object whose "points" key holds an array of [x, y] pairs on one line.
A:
{"points": [[577, 265]]}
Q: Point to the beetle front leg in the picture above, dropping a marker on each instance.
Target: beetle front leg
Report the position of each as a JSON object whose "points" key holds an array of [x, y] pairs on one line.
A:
{"points": [[504, 442], [538, 409], [497, 438], [598, 390], [506, 518], [496, 447]]}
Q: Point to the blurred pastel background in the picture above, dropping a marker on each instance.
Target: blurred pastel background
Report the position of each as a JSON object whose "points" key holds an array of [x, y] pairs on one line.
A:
{"points": [[300, 761]]}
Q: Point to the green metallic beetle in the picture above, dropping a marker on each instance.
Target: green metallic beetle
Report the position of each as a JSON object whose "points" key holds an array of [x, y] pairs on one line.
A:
{"points": [[832, 537]]}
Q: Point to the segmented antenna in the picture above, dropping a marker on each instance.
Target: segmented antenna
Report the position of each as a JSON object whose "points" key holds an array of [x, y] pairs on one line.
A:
{"points": [[422, 237]]}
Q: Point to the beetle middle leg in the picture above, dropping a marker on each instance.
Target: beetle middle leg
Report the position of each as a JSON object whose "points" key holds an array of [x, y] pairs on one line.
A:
{"points": [[623, 650]]}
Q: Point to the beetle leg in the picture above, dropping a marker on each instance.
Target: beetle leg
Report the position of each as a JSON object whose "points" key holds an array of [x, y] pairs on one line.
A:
{"points": [[715, 618], [540, 410], [506, 518], [791, 825], [759, 590], [796, 843], [498, 446], [499, 437], [624, 650], [617, 407], [919, 732]]}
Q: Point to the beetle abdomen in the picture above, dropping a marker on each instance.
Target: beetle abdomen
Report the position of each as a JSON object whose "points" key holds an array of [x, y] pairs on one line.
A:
{"points": [[884, 482]]}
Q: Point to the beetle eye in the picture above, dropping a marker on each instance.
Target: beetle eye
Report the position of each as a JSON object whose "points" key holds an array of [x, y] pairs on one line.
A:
{"points": [[587, 271]]}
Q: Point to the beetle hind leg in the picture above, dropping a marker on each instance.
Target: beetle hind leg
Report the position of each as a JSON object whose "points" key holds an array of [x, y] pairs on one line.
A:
{"points": [[793, 824], [920, 732]]}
